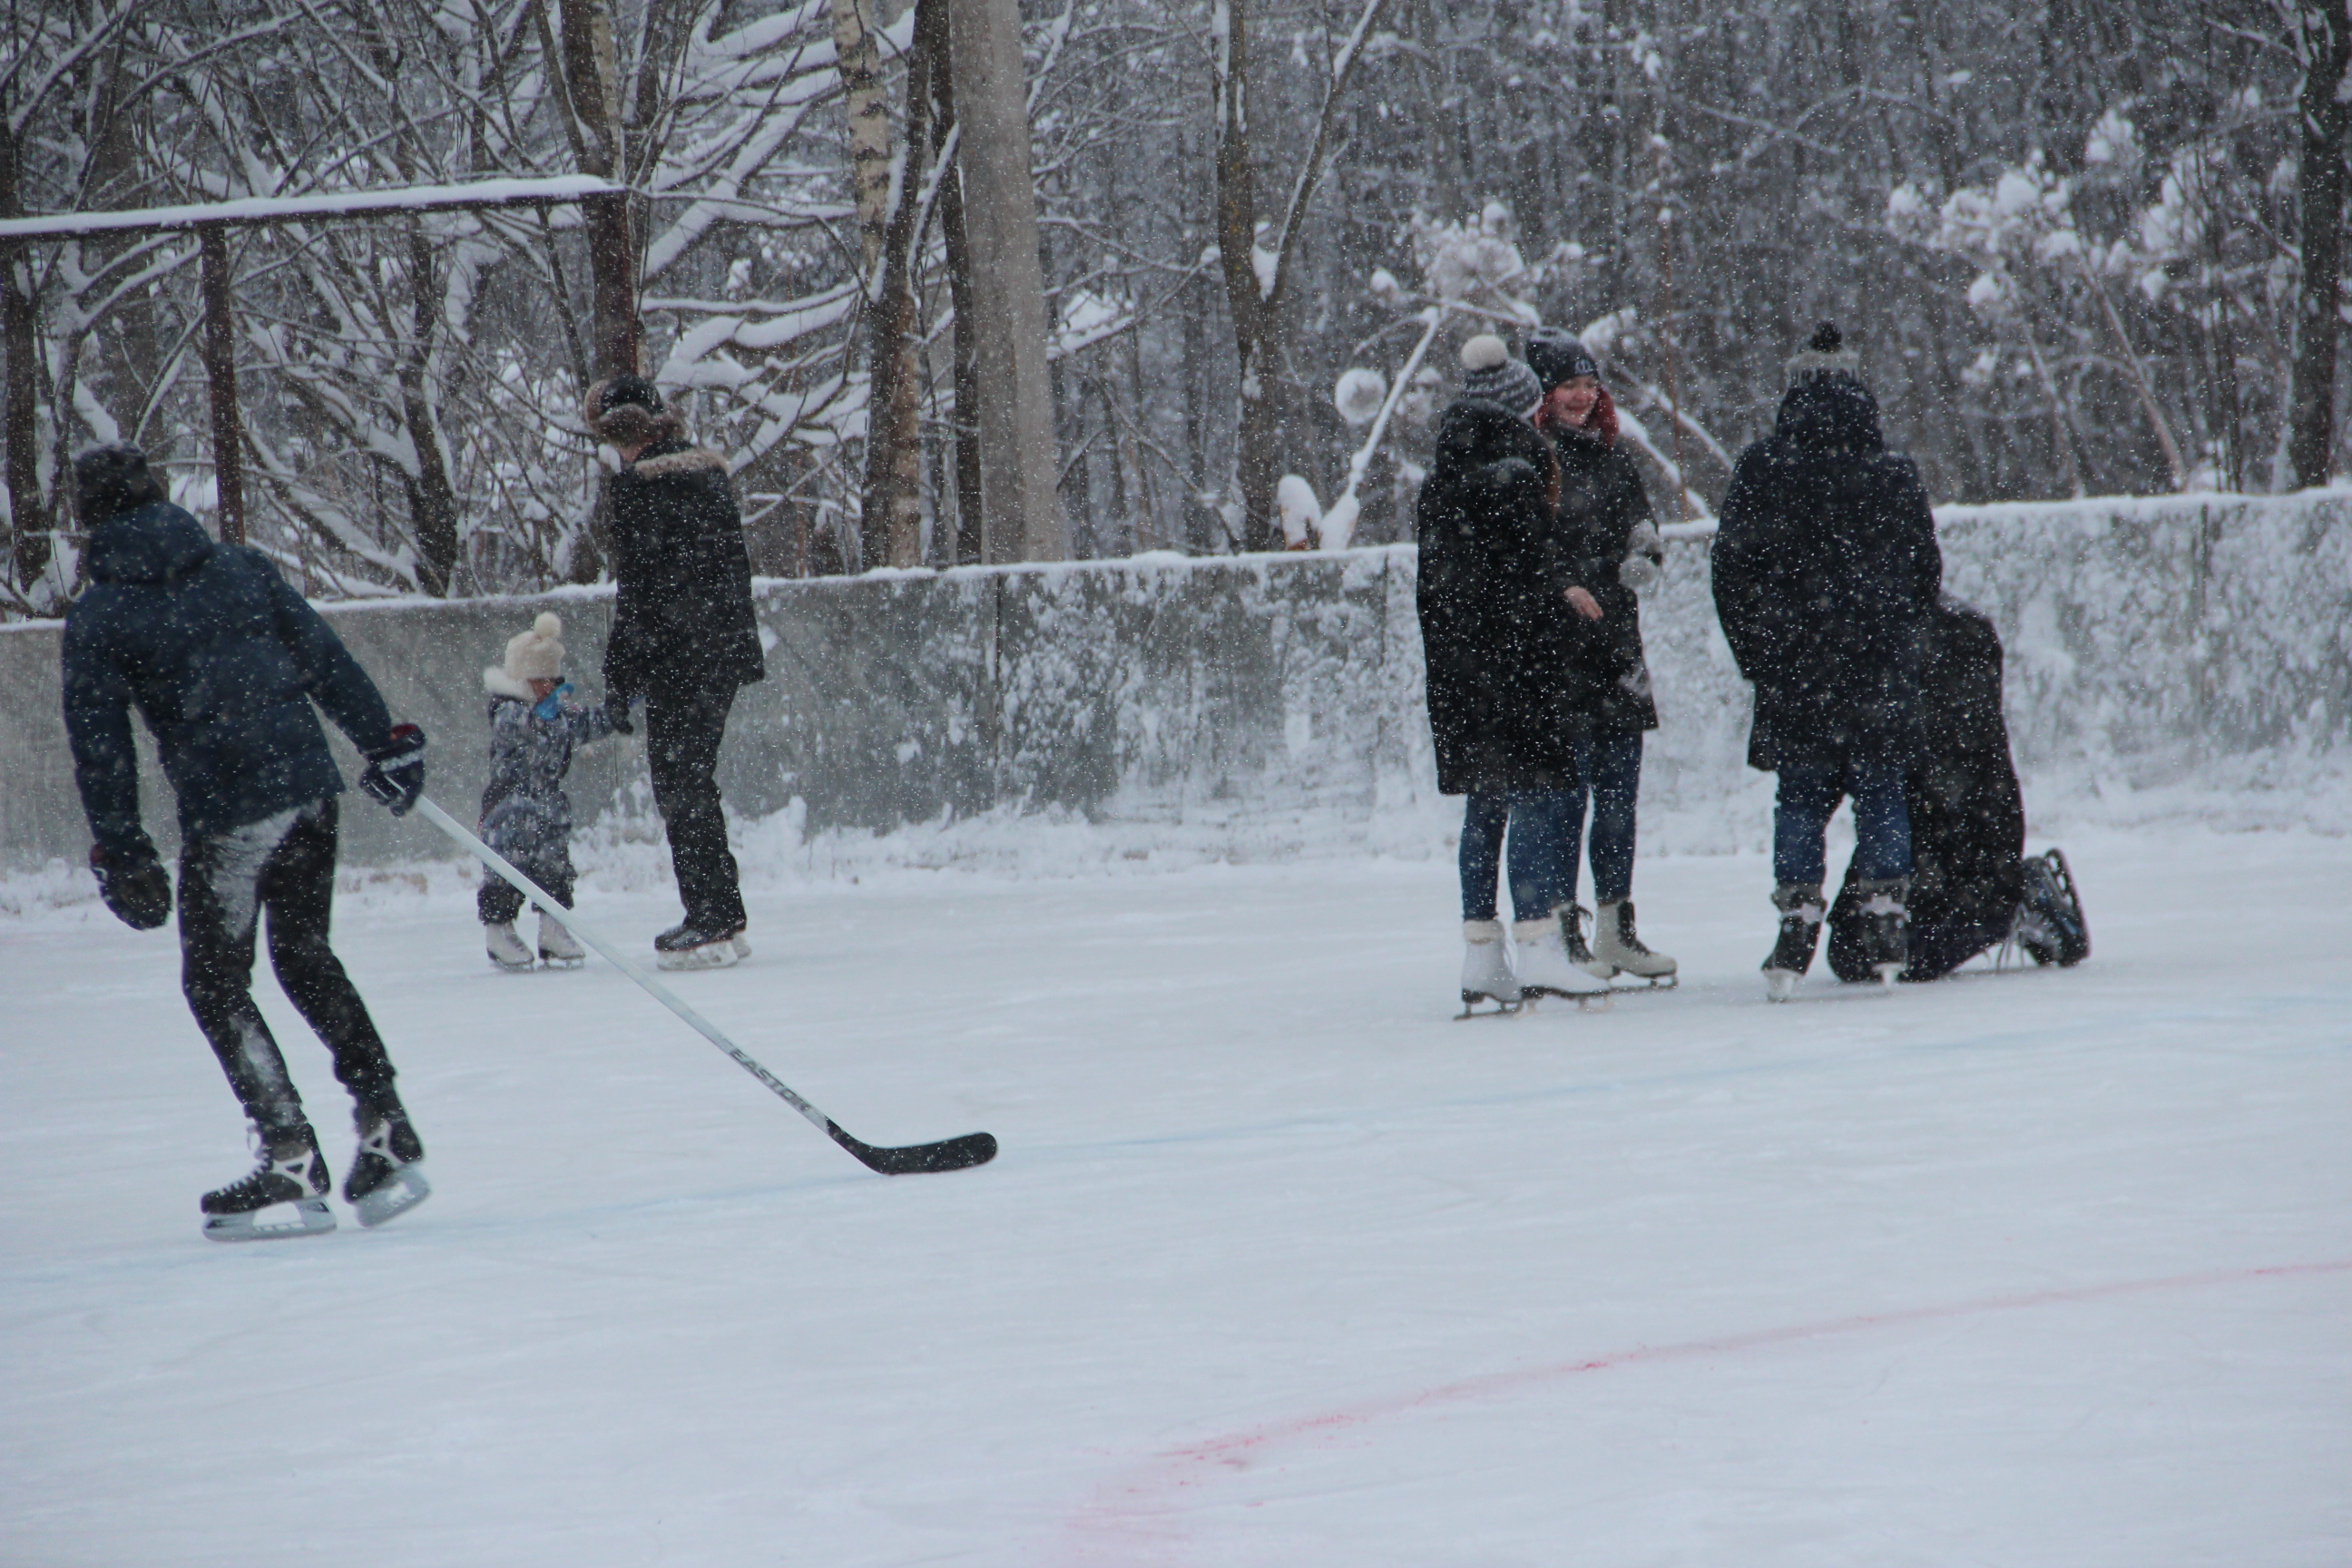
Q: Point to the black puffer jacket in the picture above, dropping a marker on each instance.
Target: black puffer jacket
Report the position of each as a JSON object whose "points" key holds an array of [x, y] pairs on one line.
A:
{"points": [[1604, 513], [682, 618], [1504, 653], [1826, 572], [223, 661], [1968, 816]]}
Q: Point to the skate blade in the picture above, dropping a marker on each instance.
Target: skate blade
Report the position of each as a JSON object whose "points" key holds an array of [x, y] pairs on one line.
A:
{"points": [[406, 1189], [557, 961], [709, 955], [507, 965], [1599, 1001], [1501, 1009], [279, 1221]]}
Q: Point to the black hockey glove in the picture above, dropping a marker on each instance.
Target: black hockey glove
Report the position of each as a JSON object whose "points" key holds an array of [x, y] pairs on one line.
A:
{"points": [[616, 712], [395, 770], [133, 883]]}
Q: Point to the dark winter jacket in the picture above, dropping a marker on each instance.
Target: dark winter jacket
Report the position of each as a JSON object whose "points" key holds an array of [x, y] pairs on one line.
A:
{"points": [[223, 661], [1508, 691], [1967, 816], [526, 815], [1826, 573], [1604, 516], [682, 616]]}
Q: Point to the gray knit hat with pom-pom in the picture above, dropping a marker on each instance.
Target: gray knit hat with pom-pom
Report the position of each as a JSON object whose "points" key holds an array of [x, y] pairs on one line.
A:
{"points": [[1496, 376]]}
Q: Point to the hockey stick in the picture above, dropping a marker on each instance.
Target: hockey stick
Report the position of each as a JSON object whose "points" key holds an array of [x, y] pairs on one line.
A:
{"points": [[948, 1155]]}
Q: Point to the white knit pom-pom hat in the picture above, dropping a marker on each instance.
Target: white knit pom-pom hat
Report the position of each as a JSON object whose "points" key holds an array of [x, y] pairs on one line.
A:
{"points": [[537, 654], [1494, 375]]}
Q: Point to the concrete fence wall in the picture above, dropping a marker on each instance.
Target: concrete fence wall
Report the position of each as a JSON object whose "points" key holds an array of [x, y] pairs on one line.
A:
{"points": [[1237, 695]]}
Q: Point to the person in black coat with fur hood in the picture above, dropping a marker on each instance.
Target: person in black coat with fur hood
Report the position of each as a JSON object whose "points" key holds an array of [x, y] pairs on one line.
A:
{"points": [[1826, 574], [1503, 618], [1604, 517], [684, 639]]}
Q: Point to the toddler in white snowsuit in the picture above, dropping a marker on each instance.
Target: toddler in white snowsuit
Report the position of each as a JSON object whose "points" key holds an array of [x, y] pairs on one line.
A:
{"points": [[526, 815]]}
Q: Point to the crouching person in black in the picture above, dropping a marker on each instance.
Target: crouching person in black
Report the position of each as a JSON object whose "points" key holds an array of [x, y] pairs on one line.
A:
{"points": [[684, 639], [1972, 886], [224, 661]]}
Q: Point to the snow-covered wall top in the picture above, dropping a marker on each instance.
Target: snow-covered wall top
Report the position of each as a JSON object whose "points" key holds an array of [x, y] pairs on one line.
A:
{"points": [[1254, 704]]}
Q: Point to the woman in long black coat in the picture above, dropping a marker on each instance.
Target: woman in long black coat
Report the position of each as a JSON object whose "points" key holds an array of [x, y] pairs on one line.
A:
{"points": [[1501, 619], [1826, 572], [1604, 520]]}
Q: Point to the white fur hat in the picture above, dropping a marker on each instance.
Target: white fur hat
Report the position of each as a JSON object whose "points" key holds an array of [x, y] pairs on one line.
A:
{"points": [[534, 655]]}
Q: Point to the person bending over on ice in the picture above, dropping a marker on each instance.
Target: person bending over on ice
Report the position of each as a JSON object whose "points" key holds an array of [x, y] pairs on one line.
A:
{"points": [[1502, 616], [1972, 884], [1604, 515], [224, 661], [1826, 573], [684, 639], [526, 815]]}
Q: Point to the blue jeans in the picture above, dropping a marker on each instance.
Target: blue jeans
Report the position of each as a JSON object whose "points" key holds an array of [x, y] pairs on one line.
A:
{"points": [[1612, 766], [1810, 793], [1543, 851]]}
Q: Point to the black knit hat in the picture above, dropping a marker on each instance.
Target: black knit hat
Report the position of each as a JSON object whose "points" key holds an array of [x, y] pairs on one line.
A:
{"points": [[632, 389], [111, 480], [1492, 373], [1556, 355]]}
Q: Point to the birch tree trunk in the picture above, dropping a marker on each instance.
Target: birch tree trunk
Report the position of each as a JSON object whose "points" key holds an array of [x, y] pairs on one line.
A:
{"points": [[892, 533]]}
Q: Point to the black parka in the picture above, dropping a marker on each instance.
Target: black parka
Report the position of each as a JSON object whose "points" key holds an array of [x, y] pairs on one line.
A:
{"points": [[1826, 572], [1507, 692], [223, 661], [1601, 503], [682, 617], [1968, 815]]}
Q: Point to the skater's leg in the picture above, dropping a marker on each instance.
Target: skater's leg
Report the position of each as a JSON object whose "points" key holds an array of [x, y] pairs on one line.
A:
{"points": [[1882, 821], [1542, 855], [683, 731], [298, 887], [1480, 861], [1615, 770], [496, 903], [1578, 794], [220, 901], [1807, 795]]}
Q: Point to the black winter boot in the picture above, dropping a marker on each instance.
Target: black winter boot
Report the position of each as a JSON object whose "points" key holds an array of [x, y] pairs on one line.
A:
{"points": [[1801, 910], [292, 1177]]}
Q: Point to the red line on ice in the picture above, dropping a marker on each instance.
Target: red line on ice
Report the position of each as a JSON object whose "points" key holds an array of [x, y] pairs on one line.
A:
{"points": [[1134, 1519]]}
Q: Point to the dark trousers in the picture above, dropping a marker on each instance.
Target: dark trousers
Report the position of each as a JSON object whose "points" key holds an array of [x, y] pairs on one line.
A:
{"points": [[1542, 851], [682, 734], [284, 864], [1612, 766], [1809, 794], [497, 901]]}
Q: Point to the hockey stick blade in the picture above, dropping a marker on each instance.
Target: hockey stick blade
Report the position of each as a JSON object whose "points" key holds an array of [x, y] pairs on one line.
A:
{"points": [[912, 1159], [920, 1159]]}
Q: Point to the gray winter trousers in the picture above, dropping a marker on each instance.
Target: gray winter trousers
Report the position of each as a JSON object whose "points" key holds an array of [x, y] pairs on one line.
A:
{"points": [[284, 864]]}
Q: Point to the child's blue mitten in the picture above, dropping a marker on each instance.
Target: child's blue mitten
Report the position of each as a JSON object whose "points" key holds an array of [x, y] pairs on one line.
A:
{"points": [[551, 705]]}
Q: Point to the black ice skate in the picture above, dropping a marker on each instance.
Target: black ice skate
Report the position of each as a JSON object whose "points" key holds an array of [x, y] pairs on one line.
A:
{"points": [[2050, 925], [1801, 931], [285, 1196], [387, 1174], [1884, 925], [695, 944]]}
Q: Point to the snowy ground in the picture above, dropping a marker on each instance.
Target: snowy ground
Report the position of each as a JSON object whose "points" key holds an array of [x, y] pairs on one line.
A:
{"points": [[1279, 1265]]}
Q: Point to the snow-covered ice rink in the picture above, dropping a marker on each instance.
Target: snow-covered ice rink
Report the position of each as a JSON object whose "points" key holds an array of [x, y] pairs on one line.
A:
{"points": [[1279, 1265]]}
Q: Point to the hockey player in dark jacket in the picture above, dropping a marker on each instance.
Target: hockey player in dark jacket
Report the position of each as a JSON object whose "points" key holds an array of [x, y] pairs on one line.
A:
{"points": [[1502, 620], [1972, 886], [224, 661], [684, 639], [1826, 572], [526, 815], [1605, 518]]}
